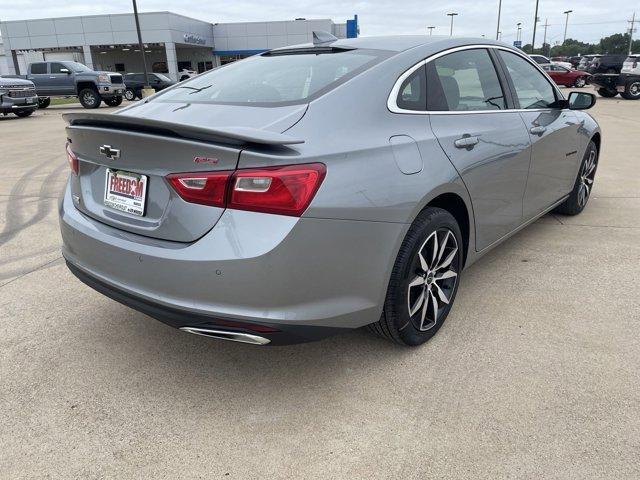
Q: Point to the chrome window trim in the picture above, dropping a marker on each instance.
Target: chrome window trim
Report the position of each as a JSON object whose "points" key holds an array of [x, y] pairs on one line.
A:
{"points": [[393, 96]]}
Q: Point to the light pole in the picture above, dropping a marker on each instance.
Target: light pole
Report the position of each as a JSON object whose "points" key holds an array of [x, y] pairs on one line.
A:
{"points": [[519, 34], [633, 22], [452, 14], [566, 24], [144, 61], [535, 24], [498, 27], [431, 30]]}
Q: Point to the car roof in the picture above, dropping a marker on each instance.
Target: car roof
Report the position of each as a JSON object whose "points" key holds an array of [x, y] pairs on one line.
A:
{"points": [[399, 43]]}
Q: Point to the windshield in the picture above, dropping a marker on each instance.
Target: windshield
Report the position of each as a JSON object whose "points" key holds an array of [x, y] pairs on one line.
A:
{"points": [[78, 67], [275, 78]]}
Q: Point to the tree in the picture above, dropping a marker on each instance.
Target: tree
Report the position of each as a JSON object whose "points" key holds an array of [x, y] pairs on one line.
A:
{"points": [[572, 48], [616, 43]]}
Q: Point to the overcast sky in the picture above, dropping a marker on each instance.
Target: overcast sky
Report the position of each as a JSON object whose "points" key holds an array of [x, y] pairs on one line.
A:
{"points": [[590, 20]]}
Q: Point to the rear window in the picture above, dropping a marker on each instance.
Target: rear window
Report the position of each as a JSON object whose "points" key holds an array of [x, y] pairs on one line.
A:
{"points": [[276, 78]]}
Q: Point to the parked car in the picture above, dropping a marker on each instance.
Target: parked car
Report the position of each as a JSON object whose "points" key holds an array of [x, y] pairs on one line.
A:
{"points": [[186, 74], [73, 79], [219, 206], [585, 61], [574, 61], [606, 64], [566, 76], [134, 83], [542, 60], [18, 97]]}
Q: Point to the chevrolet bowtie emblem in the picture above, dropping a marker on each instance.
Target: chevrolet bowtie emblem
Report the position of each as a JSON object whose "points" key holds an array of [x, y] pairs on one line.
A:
{"points": [[109, 152]]}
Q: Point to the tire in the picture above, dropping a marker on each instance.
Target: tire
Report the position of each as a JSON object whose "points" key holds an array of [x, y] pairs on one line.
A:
{"points": [[580, 82], [130, 95], [24, 113], [113, 101], [44, 102], [415, 276], [89, 98], [632, 90], [583, 185], [607, 93]]}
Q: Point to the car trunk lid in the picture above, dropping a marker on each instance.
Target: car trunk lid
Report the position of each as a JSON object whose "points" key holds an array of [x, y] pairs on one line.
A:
{"points": [[151, 149]]}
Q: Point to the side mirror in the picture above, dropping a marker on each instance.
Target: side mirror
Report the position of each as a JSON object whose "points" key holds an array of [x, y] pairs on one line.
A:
{"points": [[581, 100], [65, 70]]}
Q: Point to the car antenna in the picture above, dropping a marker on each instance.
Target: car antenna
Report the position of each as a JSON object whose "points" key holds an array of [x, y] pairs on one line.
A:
{"points": [[321, 37]]}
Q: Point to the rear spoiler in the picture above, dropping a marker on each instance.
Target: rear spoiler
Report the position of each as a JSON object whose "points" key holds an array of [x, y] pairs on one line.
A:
{"points": [[230, 135]]}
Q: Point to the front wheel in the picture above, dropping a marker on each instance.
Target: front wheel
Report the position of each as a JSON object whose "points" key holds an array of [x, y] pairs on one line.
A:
{"points": [[579, 196], [580, 82], [605, 92], [89, 98], [632, 90], [113, 101], [424, 280]]}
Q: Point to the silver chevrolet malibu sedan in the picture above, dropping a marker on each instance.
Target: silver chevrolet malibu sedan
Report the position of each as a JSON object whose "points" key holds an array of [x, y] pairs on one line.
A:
{"points": [[322, 187]]}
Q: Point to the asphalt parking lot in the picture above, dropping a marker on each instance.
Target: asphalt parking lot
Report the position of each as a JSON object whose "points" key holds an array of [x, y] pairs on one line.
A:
{"points": [[536, 373]]}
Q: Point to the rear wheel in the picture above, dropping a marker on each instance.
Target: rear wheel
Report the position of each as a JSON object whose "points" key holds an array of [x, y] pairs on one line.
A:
{"points": [[113, 101], [24, 113], [424, 280], [584, 183], [632, 90], [89, 98], [44, 102], [580, 82], [129, 94], [605, 92]]}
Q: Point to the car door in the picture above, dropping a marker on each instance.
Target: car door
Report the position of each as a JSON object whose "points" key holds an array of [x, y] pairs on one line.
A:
{"points": [[486, 141], [61, 79], [552, 131], [39, 75]]}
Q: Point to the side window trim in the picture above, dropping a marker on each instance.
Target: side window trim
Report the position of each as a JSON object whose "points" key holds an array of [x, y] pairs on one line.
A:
{"points": [[391, 100], [505, 80]]}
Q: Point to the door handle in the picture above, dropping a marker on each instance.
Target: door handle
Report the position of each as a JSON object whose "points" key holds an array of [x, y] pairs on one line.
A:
{"points": [[467, 142], [538, 130], [52, 77]]}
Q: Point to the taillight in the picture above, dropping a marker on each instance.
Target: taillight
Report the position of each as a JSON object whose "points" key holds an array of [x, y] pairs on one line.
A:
{"points": [[284, 190], [206, 188], [72, 158]]}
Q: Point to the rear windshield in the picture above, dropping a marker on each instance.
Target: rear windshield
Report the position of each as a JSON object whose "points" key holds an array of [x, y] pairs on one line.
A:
{"points": [[276, 78]]}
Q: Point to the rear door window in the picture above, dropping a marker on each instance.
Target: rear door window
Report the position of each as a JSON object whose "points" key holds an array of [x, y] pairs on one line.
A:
{"points": [[38, 68], [464, 81]]}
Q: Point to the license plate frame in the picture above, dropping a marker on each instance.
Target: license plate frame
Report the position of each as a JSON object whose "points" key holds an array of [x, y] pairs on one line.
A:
{"points": [[126, 191]]}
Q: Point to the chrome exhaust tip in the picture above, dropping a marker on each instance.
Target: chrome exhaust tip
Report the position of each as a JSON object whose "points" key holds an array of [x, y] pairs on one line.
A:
{"points": [[227, 335]]}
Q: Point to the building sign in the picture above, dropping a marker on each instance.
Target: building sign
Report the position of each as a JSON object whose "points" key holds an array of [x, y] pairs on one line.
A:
{"points": [[193, 38]]}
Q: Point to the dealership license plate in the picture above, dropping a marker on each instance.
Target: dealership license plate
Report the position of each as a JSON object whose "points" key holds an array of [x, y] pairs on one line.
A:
{"points": [[29, 100], [125, 191]]}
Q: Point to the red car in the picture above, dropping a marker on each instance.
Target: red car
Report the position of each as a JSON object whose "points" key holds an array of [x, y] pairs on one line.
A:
{"points": [[564, 76]]}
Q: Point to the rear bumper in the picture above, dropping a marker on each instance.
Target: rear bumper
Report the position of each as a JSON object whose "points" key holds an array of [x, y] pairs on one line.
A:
{"points": [[292, 274], [275, 334]]}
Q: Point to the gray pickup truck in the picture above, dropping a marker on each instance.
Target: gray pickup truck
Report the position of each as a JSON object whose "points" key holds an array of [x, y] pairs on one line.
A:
{"points": [[73, 79], [17, 96]]}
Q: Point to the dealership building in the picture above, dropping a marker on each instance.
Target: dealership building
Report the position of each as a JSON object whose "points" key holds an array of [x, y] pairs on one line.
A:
{"points": [[172, 42]]}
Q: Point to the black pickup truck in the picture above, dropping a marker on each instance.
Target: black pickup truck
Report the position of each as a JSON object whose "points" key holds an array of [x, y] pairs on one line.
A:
{"points": [[626, 83], [73, 79]]}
